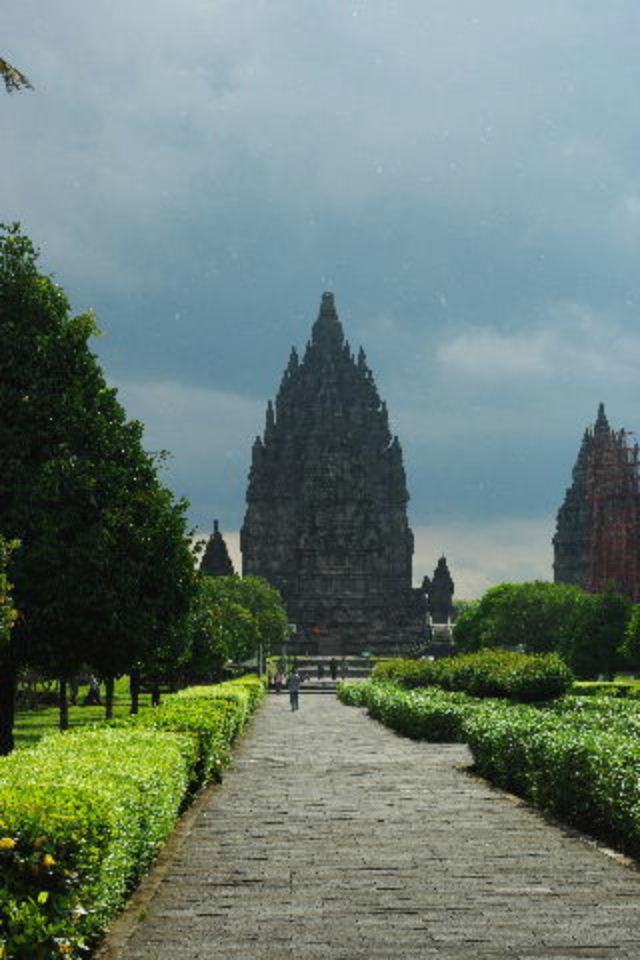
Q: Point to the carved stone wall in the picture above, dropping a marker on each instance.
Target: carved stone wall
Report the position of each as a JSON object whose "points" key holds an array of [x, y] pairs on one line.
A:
{"points": [[326, 518]]}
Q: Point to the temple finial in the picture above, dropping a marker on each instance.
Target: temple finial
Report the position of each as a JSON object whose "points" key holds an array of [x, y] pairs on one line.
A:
{"points": [[327, 330], [601, 423], [216, 561]]}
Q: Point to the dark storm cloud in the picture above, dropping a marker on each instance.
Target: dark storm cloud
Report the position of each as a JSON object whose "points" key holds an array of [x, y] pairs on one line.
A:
{"points": [[464, 176]]}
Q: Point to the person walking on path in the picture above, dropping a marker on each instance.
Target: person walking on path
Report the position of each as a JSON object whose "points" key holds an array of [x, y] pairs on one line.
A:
{"points": [[295, 682], [333, 668]]}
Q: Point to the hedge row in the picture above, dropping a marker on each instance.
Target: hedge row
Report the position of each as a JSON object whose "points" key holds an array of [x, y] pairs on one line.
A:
{"points": [[577, 759], [581, 766], [607, 688], [83, 813], [432, 714], [489, 673]]}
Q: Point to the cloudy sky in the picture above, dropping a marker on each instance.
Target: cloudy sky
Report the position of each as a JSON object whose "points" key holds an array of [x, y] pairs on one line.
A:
{"points": [[465, 176]]}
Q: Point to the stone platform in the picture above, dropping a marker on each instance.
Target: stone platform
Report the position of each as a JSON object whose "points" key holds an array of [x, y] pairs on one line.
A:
{"points": [[333, 838]]}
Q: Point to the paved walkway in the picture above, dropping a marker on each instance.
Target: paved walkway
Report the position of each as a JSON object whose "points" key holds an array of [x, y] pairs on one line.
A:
{"points": [[334, 838]]}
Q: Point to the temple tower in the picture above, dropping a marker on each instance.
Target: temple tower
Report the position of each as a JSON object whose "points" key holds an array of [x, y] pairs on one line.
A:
{"points": [[597, 538], [326, 520], [216, 561], [439, 592]]}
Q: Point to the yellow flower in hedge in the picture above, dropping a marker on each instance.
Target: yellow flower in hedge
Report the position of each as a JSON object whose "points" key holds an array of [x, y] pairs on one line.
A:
{"points": [[7, 843], [48, 861], [40, 842]]}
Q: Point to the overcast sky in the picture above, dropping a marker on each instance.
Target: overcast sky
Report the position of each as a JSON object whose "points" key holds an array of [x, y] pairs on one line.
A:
{"points": [[465, 176]]}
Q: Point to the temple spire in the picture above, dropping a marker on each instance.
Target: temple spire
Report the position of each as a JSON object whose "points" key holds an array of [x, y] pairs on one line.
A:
{"points": [[270, 422], [216, 561], [440, 593], [602, 424], [327, 330]]}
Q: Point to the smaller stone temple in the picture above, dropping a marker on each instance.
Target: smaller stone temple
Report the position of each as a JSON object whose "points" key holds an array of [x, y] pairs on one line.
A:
{"points": [[597, 539], [439, 591], [216, 561]]}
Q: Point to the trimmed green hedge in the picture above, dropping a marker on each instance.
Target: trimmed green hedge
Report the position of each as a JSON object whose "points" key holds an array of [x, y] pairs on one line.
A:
{"points": [[581, 765], [606, 688], [576, 758], [83, 813], [490, 673], [420, 714]]}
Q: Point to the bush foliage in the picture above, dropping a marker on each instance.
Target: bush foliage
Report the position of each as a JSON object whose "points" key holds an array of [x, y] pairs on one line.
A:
{"points": [[489, 673], [431, 714], [586, 629], [82, 814], [578, 761], [576, 758]]}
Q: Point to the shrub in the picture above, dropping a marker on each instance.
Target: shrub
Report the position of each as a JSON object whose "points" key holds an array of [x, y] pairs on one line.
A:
{"points": [[603, 688], [576, 758], [580, 764], [420, 714], [83, 813], [409, 673], [489, 673], [353, 694]]}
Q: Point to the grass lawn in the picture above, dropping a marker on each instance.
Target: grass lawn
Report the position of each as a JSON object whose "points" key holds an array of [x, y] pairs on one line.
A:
{"points": [[32, 724]]}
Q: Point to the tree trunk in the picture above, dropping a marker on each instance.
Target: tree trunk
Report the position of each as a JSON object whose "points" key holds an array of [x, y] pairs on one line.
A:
{"points": [[134, 687], [63, 705], [109, 684], [8, 683], [155, 695]]}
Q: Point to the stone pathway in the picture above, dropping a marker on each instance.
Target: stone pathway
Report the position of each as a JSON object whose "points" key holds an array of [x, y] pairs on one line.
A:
{"points": [[334, 838]]}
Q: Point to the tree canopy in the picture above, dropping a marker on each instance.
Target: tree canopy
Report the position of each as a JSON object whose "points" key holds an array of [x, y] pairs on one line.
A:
{"points": [[586, 629], [104, 574], [231, 619], [536, 616]]}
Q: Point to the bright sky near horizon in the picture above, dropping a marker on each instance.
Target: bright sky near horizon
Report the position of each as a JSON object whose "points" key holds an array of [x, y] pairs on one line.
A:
{"points": [[464, 176]]}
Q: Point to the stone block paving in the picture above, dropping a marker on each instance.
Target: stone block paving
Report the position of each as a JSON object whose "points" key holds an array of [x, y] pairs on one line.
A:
{"points": [[334, 838]]}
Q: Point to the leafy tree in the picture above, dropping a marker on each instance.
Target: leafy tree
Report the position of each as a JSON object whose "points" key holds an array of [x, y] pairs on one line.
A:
{"points": [[536, 616], [598, 632], [13, 78], [265, 604], [211, 622], [630, 647], [41, 407], [102, 540], [462, 606], [7, 619], [232, 619]]}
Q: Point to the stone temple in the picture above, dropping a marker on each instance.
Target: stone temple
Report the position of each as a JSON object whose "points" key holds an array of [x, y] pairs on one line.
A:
{"points": [[326, 520], [597, 539]]}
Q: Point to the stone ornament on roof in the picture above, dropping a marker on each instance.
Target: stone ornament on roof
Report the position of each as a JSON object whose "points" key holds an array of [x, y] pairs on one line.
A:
{"points": [[216, 561]]}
